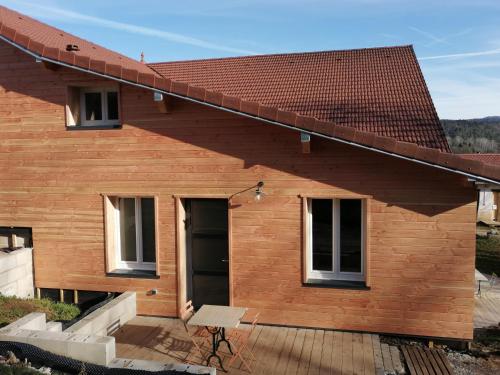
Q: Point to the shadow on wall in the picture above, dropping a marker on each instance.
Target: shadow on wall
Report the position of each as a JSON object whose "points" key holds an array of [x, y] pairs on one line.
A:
{"points": [[262, 148]]}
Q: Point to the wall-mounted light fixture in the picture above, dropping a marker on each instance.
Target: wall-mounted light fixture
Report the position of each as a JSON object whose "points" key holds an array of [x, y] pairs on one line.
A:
{"points": [[259, 194]]}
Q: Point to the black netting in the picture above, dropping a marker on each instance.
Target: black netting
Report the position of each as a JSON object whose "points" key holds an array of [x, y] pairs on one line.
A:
{"points": [[39, 357]]}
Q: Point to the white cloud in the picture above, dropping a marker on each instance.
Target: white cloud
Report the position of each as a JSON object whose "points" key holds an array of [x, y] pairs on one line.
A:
{"points": [[54, 12], [460, 55]]}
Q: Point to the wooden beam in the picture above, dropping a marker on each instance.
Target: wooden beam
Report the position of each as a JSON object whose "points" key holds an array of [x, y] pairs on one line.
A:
{"points": [[51, 66], [305, 139]]}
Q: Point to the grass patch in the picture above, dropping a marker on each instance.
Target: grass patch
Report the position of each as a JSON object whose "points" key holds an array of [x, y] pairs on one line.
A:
{"points": [[488, 254], [13, 308]]}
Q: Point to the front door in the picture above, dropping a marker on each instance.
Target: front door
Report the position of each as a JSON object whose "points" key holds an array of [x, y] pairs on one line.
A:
{"points": [[207, 246]]}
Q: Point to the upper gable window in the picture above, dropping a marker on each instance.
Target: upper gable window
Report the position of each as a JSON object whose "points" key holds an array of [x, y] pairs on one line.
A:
{"points": [[93, 106]]}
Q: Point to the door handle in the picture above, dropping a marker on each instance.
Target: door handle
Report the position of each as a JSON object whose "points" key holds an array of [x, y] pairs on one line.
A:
{"points": [[225, 260]]}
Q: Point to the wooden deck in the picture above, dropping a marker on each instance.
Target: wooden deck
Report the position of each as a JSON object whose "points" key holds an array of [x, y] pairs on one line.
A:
{"points": [[487, 308], [278, 350]]}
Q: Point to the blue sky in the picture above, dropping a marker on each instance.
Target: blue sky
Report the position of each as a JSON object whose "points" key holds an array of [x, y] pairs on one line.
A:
{"points": [[457, 41]]}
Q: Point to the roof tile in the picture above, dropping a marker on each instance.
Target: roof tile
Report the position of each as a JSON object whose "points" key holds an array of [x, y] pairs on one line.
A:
{"points": [[51, 53], [130, 74], [213, 97], [286, 117], [268, 112], [22, 39], [231, 102], [147, 79], [98, 66], [180, 88], [378, 90], [196, 92], [493, 159], [251, 108]]}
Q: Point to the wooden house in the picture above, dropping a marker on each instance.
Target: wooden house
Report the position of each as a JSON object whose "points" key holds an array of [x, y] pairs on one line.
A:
{"points": [[317, 188]]}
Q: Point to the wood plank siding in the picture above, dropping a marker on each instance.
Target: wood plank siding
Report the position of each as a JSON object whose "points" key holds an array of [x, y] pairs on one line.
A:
{"points": [[421, 221]]}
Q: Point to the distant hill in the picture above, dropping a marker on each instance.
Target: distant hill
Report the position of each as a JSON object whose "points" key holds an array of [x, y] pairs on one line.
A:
{"points": [[475, 135]]}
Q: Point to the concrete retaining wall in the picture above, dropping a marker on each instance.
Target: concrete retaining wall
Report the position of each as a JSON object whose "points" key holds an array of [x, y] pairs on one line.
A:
{"points": [[87, 340], [16, 273], [108, 318], [32, 329]]}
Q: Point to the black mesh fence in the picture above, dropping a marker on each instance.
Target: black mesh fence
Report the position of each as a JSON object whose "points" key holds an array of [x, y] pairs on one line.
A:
{"points": [[39, 357]]}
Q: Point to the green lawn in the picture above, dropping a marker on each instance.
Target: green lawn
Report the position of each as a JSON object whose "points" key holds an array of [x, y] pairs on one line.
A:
{"points": [[13, 308], [488, 254]]}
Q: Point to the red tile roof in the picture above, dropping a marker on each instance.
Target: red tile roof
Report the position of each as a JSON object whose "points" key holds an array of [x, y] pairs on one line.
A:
{"points": [[44, 42], [378, 90], [51, 42], [493, 159]]}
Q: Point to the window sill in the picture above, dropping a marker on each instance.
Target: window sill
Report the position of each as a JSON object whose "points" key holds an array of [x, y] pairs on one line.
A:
{"points": [[338, 284], [141, 274], [93, 127]]}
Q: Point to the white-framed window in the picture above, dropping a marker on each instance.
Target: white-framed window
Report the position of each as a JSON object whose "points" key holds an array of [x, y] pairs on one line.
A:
{"points": [[97, 106], [135, 233], [335, 237]]}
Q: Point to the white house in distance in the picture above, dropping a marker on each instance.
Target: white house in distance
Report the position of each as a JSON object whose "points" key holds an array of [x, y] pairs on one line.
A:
{"points": [[489, 199]]}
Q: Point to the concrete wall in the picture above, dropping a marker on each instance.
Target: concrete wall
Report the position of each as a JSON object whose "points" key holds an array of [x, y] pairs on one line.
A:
{"points": [[33, 329], [16, 273], [108, 318]]}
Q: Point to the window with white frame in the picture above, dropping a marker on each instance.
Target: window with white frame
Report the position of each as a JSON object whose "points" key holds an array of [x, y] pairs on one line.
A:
{"points": [[131, 233], [99, 106], [93, 106], [335, 239]]}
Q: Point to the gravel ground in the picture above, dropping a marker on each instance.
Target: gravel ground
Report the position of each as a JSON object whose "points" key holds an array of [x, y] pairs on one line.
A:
{"points": [[482, 359], [466, 364]]}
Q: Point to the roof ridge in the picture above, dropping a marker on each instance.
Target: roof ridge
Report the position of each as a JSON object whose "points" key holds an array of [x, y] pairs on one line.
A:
{"points": [[290, 54]]}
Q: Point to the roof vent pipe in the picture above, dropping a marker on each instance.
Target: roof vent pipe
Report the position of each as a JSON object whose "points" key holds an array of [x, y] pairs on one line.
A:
{"points": [[72, 47]]}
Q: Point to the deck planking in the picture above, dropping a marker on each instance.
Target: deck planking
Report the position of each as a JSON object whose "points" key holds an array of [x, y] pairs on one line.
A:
{"points": [[487, 308], [277, 350]]}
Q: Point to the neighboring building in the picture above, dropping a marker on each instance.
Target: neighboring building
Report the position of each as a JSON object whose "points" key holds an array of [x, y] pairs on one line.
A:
{"points": [[146, 178], [488, 195]]}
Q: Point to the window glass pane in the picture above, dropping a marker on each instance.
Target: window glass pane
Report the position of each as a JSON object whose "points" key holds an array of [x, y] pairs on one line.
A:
{"points": [[350, 235], [148, 230], [93, 109], [127, 230], [322, 234], [112, 105]]}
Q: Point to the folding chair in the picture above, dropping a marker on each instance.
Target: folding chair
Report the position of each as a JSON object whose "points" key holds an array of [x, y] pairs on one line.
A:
{"points": [[238, 338], [198, 335]]}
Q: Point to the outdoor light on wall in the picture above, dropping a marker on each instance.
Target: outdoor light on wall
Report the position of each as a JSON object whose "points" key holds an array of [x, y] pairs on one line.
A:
{"points": [[259, 194]]}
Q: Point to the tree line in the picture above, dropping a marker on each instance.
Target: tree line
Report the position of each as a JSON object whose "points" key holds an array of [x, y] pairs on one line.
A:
{"points": [[473, 136]]}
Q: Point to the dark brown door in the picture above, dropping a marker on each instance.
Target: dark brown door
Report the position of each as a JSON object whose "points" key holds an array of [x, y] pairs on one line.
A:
{"points": [[207, 251]]}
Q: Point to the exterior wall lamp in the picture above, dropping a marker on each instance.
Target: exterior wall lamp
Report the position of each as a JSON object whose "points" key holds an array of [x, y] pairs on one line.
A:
{"points": [[259, 194]]}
